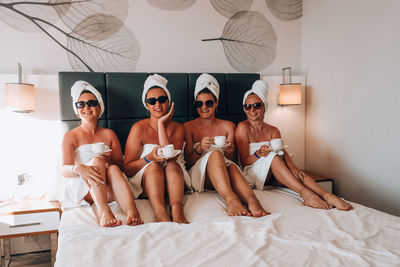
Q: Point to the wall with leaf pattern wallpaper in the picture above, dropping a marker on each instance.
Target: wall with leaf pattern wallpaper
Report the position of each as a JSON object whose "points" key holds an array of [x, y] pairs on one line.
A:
{"points": [[48, 36]]}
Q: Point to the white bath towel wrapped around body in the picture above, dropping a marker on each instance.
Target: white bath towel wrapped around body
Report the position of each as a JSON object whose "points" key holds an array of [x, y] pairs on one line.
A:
{"points": [[136, 180], [75, 188], [198, 171], [256, 173]]}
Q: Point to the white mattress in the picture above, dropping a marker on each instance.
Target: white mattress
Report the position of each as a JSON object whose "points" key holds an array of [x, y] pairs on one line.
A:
{"points": [[293, 235]]}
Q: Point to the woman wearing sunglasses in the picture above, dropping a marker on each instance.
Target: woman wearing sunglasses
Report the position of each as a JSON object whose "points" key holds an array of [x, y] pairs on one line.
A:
{"points": [[261, 163], [212, 168], [95, 177], [151, 173]]}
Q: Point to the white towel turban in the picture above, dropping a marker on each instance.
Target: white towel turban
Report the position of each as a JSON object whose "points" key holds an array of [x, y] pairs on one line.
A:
{"points": [[155, 80], [205, 80], [261, 90], [78, 88]]}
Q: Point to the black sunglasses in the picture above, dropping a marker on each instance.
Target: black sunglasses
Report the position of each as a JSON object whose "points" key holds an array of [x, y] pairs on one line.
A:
{"points": [[199, 104], [90, 103], [257, 105], [161, 99]]}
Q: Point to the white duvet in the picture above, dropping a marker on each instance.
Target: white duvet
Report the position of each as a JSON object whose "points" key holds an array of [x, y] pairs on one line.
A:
{"points": [[293, 235]]}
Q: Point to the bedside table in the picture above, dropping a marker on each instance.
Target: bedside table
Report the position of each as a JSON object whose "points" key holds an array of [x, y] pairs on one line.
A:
{"points": [[30, 217]]}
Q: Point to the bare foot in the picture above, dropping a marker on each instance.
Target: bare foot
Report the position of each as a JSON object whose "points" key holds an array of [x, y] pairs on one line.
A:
{"points": [[133, 217], [236, 208], [313, 200], [178, 215], [107, 218], [256, 209], [162, 215], [337, 202]]}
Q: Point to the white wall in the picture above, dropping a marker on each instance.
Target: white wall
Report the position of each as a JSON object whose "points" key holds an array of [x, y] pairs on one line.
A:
{"points": [[170, 42], [351, 55]]}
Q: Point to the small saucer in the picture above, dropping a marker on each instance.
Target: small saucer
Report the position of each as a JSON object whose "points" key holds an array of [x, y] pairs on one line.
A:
{"points": [[174, 154], [279, 149], [213, 146], [105, 151]]}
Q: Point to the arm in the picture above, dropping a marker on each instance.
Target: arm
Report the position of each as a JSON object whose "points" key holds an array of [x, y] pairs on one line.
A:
{"points": [[115, 156], [74, 171], [133, 149], [163, 137], [243, 143], [68, 156], [190, 155], [178, 135], [230, 141]]}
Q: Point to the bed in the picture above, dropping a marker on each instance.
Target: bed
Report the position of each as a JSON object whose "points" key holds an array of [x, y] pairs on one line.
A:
{"points": [[293, 235]]}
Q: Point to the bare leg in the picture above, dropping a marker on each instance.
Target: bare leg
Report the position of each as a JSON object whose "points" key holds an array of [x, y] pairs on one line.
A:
{"points": [[331, 199], [245, 193], [175, 188], [99, 195], [121, 192], [285, 176], [153, 185], [219, 178]]}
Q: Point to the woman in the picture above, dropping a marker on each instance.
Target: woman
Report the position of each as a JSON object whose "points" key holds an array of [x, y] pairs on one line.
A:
{"points": [[253, 138], [95, 177], [214, 168], [150, 173]]}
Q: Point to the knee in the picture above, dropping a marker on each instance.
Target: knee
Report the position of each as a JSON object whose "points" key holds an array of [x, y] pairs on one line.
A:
{"points": [[99, 162], [114, 172], [172, 166], [217, 155], [154, 170]]}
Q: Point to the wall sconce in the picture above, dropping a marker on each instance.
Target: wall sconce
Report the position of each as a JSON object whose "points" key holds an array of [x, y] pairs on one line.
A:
{"points": [[290, 93], [20, 97]]}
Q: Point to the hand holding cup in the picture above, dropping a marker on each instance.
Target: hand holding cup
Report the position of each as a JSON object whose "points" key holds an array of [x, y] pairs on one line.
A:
{"points": [[166, 151]]}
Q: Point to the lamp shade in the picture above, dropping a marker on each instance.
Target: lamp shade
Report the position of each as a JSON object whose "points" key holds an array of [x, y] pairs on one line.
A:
{"points": [[290, 94], [20, 97]]}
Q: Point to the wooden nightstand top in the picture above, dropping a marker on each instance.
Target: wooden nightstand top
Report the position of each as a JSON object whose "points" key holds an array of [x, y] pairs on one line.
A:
{"points": [[30, 206]]}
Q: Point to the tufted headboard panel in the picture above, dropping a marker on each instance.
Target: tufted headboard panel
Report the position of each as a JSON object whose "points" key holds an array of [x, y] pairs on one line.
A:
{"points": [[122, 96]]}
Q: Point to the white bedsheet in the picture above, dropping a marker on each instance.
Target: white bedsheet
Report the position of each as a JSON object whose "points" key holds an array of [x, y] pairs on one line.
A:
{"points": [[293, 235]]}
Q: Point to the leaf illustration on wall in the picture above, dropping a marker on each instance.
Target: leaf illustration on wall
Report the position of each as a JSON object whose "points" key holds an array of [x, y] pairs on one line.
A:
{"points": [[172, 4], [119, 52], [72, 12], [12, 14], [249, 41], [286, 9], [228, 8]]}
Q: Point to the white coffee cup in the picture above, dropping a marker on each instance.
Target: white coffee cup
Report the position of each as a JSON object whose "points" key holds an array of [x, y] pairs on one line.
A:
{"points": [[98, 147], [166, 151], [220, 141], [277, 144]]}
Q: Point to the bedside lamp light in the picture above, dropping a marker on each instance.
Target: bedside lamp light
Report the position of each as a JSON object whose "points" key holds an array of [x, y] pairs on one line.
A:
{"points": [[20, 97], [290, 93]]}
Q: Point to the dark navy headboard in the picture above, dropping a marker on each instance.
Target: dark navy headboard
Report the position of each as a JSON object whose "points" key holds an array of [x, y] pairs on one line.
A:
{"points": [[122, 96]]}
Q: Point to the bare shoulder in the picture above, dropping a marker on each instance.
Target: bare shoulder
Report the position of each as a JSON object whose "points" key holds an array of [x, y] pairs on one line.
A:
{"points": [[228, 125], [107, 132], [189, 125], [140, 125], [273, 130], [243, 126], [71, 135]]}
